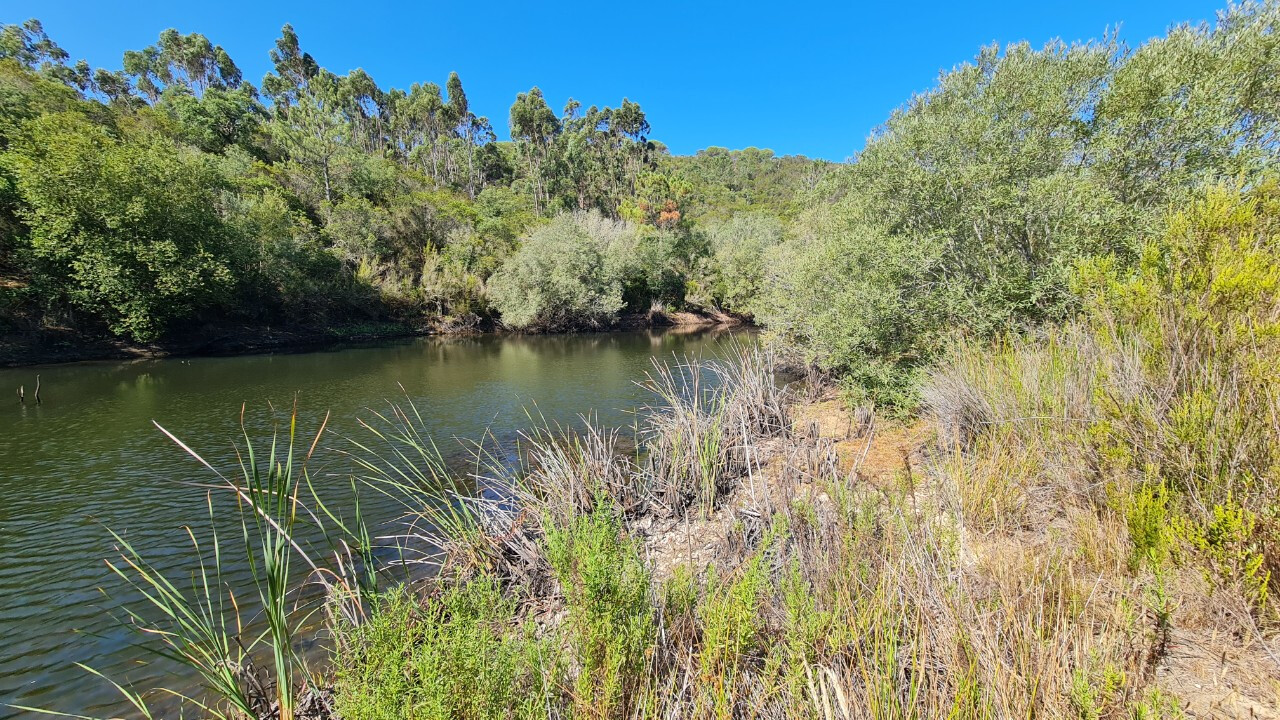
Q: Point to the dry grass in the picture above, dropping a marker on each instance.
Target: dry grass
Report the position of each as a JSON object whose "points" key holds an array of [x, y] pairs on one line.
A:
{"points": [[986, 580]]}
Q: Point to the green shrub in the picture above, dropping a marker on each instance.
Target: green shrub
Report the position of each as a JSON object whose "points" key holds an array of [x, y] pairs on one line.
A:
{"points": [[732, 626], [739, 247], [1170, 395], [127, 228], [1231, 545], [462, 655], [845, 293], [568, 273], [611, 617]]}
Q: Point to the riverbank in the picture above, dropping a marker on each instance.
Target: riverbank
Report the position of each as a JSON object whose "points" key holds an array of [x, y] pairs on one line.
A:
{"points": [[768, 552], [65, 345], [781, 557]]}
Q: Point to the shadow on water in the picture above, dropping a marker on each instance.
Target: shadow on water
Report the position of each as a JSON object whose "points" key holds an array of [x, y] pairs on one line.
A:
{"points": [[88, 458]]}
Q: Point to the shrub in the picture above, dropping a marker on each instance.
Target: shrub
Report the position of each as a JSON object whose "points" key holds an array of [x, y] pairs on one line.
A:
{"points": [[460, 655], [1164, 392], [611, 619], [566, 274], [739, 247], [126, 228], [849, 296]]}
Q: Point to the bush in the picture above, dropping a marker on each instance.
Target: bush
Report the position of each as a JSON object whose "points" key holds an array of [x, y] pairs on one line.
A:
{"points": [[1164, 392], [969, 209], [855, 300], [461, 655], [611, 621], [567, 274], [738, 262]]}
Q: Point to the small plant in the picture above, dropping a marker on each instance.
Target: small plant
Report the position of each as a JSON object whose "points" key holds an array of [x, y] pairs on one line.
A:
{"points": [[1228, 543], [1150, 521], [611, 617], [461, 654], [731, 629]]}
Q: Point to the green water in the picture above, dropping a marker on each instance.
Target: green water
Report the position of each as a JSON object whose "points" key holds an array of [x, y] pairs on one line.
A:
{"points": [[89, 458]]}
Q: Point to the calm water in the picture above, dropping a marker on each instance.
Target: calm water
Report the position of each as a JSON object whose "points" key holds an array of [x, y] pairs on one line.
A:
{"points": [[89, 458]]}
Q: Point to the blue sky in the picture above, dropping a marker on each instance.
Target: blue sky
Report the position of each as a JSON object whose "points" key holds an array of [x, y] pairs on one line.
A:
{"points": [[797, 77]]}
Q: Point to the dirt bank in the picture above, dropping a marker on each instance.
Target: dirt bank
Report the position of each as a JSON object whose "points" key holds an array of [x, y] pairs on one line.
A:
{"points": [[64, 345]]}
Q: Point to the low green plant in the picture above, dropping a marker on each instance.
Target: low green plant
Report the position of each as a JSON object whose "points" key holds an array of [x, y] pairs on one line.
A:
{"points": [[731, 623], [461, 654], [1229, 544], [611, 617], [1150, 520]]}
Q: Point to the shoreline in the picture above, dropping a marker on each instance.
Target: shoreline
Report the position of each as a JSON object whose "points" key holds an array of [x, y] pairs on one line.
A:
{"points": [[61, 346]]}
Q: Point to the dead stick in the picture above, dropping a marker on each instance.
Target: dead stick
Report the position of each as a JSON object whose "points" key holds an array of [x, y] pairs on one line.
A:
{"points": [[37, 392]]}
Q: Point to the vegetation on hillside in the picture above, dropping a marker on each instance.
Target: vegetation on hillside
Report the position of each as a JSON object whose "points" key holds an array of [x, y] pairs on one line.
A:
{"points": [[970, 208], [173, 191]]}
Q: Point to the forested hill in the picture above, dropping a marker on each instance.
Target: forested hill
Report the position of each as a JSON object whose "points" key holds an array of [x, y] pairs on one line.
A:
{"points": [[175, 193]]}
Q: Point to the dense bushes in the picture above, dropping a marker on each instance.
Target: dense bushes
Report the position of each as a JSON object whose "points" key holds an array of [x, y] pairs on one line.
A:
{"points": [[1159, 402], [855, 299], [738, 250], [968, 211], [467, 656], [127, 229]]}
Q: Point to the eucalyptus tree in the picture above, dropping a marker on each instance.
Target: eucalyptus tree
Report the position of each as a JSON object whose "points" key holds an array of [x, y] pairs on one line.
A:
{"points": [[630, 128], [190, 62], [29, 44], [114, 86], [422, 118], [294, 70], [600, 153], [475, 131], [534, 127], [366, 106], [583, 150]]}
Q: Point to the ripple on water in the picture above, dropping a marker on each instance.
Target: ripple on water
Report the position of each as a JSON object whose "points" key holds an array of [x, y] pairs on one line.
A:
{"points": [[89, 458]]}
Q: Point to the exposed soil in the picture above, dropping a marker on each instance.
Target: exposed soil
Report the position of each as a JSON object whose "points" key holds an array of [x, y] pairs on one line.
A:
{"points": [[1212, 673]]}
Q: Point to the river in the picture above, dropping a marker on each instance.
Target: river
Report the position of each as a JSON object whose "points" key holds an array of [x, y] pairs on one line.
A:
{"points": [[88, 458]]}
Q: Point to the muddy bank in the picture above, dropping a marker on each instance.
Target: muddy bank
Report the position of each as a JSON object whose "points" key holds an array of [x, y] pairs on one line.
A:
{"points": [[65, 345]]}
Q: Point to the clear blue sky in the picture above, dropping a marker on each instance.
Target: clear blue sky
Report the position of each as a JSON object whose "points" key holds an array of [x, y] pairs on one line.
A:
{"points": [[797, 77]]}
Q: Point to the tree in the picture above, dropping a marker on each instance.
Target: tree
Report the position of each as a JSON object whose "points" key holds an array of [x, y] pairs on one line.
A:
{"points": [[294, 69], [128, 229], [313, 135], [423, 118], [190, 62], [30, 45], [535, 127]]}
